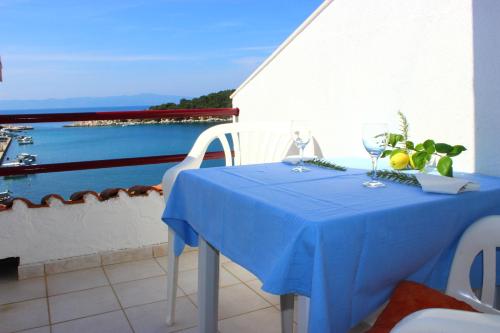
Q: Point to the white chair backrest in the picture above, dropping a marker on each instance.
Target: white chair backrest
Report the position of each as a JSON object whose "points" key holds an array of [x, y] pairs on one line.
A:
{"points": [[260, 145], [253, 142], [483, 236]]}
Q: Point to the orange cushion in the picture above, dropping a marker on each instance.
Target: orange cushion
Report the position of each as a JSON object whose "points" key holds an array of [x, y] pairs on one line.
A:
{"points": [[409, 297]]}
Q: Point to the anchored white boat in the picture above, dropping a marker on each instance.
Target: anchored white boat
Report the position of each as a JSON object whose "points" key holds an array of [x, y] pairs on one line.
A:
{"points": [[5, 195], [23, 159], [26, 159], [24, 140]]}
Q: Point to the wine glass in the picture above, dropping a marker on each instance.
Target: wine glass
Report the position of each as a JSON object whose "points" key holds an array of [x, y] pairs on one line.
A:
{"points": [[301, 135], [375, 142]]}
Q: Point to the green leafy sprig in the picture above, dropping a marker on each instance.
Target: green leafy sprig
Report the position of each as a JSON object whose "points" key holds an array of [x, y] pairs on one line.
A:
{"points": [[397, 176], [422, 153], [325, 164], [404, 126]]}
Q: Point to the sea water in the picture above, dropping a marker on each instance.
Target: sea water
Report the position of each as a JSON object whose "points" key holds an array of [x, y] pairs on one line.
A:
{"points": [[54, 143]]}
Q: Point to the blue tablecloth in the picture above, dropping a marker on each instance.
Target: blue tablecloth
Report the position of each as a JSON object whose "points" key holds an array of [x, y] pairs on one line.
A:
{"points": [[322, 234]]}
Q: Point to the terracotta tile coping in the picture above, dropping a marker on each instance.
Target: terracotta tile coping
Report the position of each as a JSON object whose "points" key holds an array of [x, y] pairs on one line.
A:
{"points": [[79, 197]]}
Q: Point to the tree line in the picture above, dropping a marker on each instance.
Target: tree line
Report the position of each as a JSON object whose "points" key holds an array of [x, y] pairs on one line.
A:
{"points": [[219, 99]]}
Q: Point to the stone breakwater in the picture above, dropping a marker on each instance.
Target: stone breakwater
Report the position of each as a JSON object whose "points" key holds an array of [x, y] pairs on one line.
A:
{"points": [[4, 146], [98, 123]]}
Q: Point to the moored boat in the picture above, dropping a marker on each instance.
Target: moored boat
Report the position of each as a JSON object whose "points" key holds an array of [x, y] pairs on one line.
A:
{"points": [[5, 196], [24, 140], [26, 159]]}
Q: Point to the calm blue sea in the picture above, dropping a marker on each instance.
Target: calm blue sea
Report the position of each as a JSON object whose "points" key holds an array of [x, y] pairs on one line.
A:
{"points": [[54, 143]]}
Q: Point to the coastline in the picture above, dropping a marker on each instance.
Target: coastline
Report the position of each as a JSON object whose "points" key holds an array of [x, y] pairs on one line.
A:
{"points": [[4, 148], [105, 123], [56, 144]]}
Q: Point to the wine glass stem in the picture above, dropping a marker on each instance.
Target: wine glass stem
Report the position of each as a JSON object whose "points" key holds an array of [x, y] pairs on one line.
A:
{"points": [[301, 159], [374, 167]]}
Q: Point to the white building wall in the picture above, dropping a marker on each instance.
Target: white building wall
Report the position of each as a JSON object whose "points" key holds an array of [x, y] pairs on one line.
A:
{"points": [[486, 32], [358, 61]]}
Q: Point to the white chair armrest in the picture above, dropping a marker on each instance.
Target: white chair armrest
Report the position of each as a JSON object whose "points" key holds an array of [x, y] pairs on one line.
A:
{"points": [[448, 321], [195, 156], [171, 174]]}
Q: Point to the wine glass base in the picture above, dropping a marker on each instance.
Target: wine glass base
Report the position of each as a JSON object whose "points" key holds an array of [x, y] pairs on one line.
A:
{"points": [[373, 184], [300, 169]]}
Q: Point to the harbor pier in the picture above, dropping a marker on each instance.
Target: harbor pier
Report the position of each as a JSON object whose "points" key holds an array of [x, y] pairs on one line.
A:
{"points": [[4, 147]]}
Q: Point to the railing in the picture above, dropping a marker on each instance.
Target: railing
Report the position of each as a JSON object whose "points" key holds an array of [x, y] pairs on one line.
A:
{"points": [[112, 115], [116, 115]]}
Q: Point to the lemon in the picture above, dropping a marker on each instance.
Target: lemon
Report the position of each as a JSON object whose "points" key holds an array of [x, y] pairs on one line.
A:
{"points": [[399, 160]]}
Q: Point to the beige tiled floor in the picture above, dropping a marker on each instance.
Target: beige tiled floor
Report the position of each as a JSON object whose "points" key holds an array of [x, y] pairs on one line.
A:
{"points": [[131, 297]]}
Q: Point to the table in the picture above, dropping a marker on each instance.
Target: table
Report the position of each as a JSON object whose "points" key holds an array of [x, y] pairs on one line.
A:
{"points": [[323, 235]]}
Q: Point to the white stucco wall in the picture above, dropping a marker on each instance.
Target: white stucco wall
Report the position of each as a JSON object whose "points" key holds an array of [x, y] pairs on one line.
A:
{"points": [[358, 61], [486, 32], [69, 230]]}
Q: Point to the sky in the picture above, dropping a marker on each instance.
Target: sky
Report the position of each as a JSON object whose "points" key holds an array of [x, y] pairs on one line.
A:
{"points": [[76, 48]]}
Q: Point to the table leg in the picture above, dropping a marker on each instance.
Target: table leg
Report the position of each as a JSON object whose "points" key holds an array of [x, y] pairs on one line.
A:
{"points": [[302, 314], [172, 277], [286, 303], [208, 287]]}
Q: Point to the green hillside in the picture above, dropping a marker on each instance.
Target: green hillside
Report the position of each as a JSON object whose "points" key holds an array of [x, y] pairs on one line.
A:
{"points": [[214, 100]]}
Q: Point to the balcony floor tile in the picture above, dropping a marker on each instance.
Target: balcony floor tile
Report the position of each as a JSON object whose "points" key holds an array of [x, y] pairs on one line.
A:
{"points": [[265, 320], [23, 315], [133, 270], [16, 291], [188, 261], [150, 318], [44, 329], [135, 301], [256, 285], [236, 300], [82, 303], [76, 281], [188, 280], [239, 271], [143, 291], [110, 322]]}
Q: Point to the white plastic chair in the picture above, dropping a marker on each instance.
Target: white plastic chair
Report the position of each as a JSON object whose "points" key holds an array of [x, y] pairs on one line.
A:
{"points": [[448, 321], [252, 143], [483, 236]]}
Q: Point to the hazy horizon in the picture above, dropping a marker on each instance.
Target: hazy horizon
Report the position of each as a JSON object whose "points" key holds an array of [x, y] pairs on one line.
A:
{"points": [[144, 99], [74, 49]]}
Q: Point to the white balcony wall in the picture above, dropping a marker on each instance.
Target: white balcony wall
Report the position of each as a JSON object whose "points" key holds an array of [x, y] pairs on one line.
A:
{"points": [[356, 61], [70, 230]]}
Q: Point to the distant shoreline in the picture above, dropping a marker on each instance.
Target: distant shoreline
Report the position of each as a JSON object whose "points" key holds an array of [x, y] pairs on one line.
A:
{"points": [[109, 123]]}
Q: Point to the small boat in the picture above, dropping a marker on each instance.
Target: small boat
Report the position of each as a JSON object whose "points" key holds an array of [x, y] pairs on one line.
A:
{"points": [[24, 140], [6, 133], [12, 164], [26, 159], [5, 196], [23, 159], [15, 164]]}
